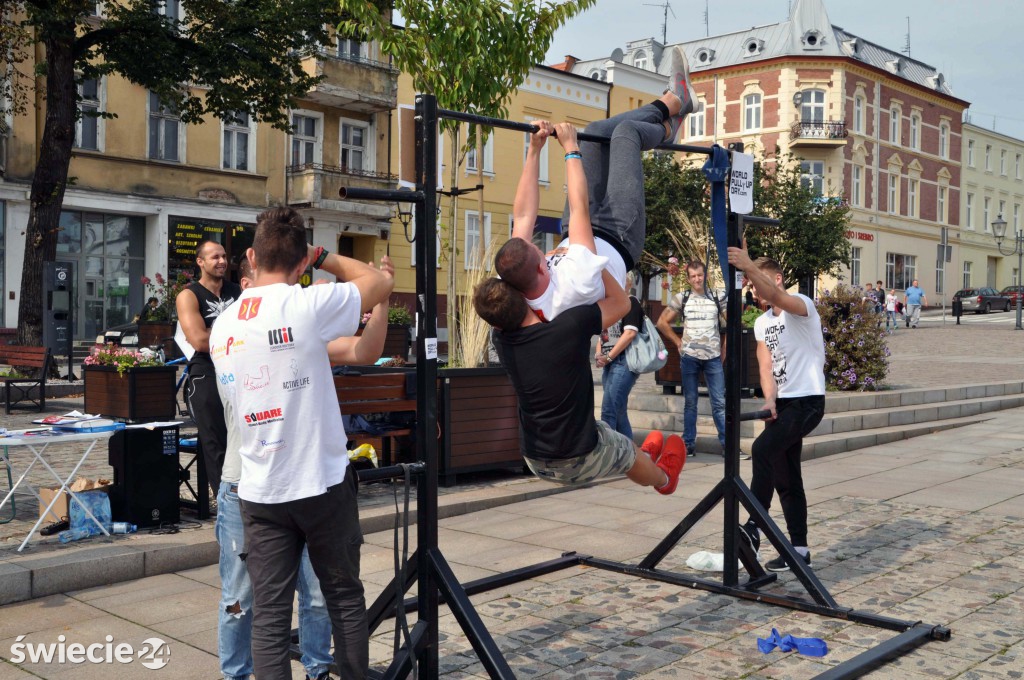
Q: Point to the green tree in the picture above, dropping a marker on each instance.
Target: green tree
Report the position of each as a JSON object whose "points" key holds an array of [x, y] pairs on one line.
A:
{"points": [[472, 55], [673, 194], [811, 237], [241, 56]]}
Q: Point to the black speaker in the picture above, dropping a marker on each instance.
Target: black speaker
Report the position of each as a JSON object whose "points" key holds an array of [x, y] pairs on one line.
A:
{"points": [[146, 476]]}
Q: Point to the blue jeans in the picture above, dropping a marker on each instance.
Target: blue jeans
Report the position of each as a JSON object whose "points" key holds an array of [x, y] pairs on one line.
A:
{"points": [[890, 317], [714, 376], [617, 381], [234, 629]]}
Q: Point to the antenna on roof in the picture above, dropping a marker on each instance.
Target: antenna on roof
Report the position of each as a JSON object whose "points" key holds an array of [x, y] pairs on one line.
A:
{"points": [[906, 48], [664, 26], [707, 21]]}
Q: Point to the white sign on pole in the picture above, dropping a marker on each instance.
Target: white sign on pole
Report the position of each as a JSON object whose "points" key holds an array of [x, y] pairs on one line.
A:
{"points": [[741, 183]]}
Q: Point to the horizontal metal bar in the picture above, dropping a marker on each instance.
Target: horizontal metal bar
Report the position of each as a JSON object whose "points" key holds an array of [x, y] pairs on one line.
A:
{"points": [[527, 127], [389, 472], [384, 195], [756, 415], [757, 219], [880, 654]]}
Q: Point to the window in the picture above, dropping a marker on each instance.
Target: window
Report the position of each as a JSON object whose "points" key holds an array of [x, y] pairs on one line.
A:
{"points": [[471, 257], [488, 157], [940, 207], [986, 202], [543, 177], [752, 112], [812, 108], [855, 266], [900, 270], [1016, 217], [912, 197], [988, 156], [894, 193], [237, 136], [353, 50], [856, 188], [894, 125], [812, 175], [306, 148], [640, 60], [858, 114], [943, 141], [970, 152], [169, 8], [164, 128], [412, 239], [696, 121], [1016, 167], [87, 125], [967, 274], [1002, 162], [1002, 209], [354, 139], [969, 212], [915, 131]]}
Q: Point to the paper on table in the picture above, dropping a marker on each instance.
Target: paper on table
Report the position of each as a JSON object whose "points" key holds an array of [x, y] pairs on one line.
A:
{"points": [[179, 337]]}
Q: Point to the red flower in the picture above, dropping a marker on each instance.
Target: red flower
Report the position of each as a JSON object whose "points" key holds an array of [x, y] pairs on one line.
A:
{"points": [[145, 280], [664, 285], [159, 279]]}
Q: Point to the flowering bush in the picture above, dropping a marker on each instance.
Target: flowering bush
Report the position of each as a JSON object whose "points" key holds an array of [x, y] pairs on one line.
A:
{"points": [[856, 356], [121, 358], [165, 291]]}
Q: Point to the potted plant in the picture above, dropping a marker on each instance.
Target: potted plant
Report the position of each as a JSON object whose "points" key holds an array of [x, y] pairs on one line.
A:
{"points": [[127, 384], [157, 323]]}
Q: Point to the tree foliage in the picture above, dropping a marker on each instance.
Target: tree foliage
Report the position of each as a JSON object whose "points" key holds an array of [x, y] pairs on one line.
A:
{"points": [[811, 238], [220, 58]]}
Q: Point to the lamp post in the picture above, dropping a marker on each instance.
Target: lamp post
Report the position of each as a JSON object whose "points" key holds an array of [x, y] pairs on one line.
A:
{"points": [[999, 229]]}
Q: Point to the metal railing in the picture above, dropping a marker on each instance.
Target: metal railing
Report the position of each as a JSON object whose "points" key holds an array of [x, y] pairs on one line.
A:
{"points": [[827, 129], [336, 170]]}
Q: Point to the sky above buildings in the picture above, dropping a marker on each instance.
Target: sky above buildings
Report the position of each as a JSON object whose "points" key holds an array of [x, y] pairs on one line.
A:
{"points": [[972, 42]]}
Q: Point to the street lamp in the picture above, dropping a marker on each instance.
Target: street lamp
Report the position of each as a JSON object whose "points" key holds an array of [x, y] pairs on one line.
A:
{"points": [[999, 229]]}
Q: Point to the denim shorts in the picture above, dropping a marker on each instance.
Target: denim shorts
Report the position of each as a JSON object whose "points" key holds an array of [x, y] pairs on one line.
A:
{"points": [[614, 454]]}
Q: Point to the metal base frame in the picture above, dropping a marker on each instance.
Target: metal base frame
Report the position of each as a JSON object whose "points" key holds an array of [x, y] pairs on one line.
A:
{"points": [[428, 568]]}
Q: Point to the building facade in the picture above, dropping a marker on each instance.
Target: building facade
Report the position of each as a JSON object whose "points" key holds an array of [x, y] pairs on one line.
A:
{"points": [[866, 123]]}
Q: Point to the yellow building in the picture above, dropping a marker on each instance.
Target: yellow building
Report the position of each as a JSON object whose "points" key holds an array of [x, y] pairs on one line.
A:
{"points": [[993, 186]]}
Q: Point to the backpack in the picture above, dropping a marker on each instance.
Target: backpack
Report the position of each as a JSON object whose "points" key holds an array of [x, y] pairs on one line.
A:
{"points": [[712, 296]]}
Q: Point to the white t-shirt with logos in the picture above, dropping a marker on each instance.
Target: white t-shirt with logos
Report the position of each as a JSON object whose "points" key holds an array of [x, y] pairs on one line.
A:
{"points": [[798, 350], [575, 280], [270, 351]]}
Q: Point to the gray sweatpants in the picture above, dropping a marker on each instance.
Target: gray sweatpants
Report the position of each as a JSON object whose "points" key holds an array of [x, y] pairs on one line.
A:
{"points": [[615, 175]]}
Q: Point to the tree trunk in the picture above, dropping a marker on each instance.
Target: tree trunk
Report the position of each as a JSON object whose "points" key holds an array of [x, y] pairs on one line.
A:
{"points": [[48, 183]]}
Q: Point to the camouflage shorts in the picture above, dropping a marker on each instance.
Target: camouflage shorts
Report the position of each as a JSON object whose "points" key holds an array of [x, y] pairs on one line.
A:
{"points": [[614, 455]]}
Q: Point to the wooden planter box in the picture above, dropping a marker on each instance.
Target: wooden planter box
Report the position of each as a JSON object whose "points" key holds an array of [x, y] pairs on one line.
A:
{"points": [[479, 417], [398, 341], [161, 333], [140, 394], [670, 377]]}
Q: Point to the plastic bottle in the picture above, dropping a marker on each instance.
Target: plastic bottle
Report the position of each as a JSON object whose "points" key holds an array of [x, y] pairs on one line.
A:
{"points": [[123, 528], [73, 535]]}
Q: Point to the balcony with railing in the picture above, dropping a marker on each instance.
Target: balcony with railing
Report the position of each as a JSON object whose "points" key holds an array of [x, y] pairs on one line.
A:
{"points": [[352, 82], [314, 185], [818, 133]]}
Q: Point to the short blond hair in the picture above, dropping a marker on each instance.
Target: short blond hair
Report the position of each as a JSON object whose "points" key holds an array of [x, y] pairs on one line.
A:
{"points": [[767, 264]]}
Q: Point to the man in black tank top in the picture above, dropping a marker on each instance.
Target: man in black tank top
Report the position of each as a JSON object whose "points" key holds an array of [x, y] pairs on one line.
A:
{"points": [[199, 305]]}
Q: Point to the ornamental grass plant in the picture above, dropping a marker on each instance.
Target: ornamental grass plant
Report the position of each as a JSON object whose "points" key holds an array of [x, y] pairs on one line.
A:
{"points": [[856, 354]]}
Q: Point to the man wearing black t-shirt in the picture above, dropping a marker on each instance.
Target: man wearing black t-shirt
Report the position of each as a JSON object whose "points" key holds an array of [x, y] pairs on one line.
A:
{"points": [[199, 305], [549, 364]]}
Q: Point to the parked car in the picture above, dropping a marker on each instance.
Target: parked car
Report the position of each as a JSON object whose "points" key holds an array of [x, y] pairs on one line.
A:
{"points": [[980, 300], [1013, 292]]}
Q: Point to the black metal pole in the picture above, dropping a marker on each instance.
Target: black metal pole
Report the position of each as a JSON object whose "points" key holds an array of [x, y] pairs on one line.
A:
{"points": [[389, 195], [426, 373], [882, 653]]}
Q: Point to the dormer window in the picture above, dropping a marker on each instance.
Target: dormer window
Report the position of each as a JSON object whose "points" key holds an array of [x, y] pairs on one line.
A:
{"points": [[640, 59], [938, 81], [812, 40], [752, 47], [852, 47], [705, 55], [895, 65]]}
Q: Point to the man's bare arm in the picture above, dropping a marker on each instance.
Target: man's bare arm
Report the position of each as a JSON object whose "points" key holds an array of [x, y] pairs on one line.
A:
{"points": [[374, 287], [527, 200], [366, 348], [664, 324], [581, 231], [615, 304], [191, 320], [765, 284]]}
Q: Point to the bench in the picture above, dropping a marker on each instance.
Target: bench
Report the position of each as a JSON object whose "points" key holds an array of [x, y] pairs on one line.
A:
{"points": [[19, 357], [375, 393]]}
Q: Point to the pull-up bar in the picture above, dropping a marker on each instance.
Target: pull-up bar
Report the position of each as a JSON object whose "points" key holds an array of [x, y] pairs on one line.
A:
{"points": [[527, 127]]}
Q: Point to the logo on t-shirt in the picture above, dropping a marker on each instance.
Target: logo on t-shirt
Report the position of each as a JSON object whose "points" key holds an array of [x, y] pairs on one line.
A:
{"points": [[248, 309], [258, 381], [226, 378], [281, 338], [231, 344], [297, 382], [257, 418]]}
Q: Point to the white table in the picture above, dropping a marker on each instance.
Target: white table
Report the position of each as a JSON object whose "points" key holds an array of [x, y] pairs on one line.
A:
{"points": [[37, 443]]}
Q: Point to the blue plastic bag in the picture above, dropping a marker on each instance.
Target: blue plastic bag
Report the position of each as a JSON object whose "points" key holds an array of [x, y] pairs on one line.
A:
{"points": [[98, 503]]}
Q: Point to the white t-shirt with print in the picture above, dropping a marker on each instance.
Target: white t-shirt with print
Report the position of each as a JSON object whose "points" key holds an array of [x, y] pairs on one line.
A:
{"points": [[270, 352], [575, 279], [798, 350], [890, 303]]}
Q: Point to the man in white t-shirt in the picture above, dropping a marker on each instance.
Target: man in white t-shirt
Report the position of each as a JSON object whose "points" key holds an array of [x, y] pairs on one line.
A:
{"points": [[605, 205], [270, 348], [791, 357]]}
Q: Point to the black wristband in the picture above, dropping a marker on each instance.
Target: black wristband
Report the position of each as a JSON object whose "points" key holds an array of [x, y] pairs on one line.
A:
{"points": [[320, 260]]}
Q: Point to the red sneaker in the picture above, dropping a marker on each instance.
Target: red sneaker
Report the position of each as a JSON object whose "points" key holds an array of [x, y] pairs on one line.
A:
{"points": [[672, 460], [652, 445]]}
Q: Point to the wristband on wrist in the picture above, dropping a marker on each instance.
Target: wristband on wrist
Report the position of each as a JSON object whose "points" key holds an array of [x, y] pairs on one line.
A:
{"points": [[574, 154], [321, 255]]}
